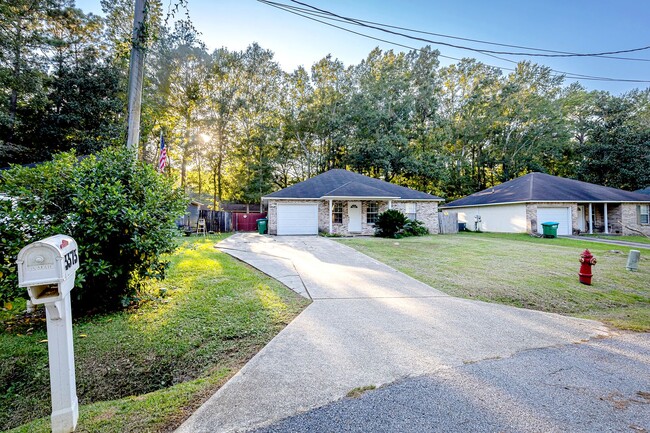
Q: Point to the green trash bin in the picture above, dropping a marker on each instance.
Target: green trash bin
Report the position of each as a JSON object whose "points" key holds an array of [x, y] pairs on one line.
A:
{"points": [[550, 229], [261, 225]]}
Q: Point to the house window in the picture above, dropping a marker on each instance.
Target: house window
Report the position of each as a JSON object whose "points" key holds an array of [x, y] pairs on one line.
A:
{"points": [[337, 212], [644, 214], [371, 212], [411, 211]]}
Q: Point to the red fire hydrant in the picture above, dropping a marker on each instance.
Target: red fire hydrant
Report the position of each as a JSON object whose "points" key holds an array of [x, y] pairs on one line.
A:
{"points": [[587, 260]]}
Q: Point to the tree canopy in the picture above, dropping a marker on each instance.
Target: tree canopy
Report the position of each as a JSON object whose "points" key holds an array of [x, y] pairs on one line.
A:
{"points": [[239, 127]]}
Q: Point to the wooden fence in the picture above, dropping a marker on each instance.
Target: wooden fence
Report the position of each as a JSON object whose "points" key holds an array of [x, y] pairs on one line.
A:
{"points": [[448, 222], [216, 221]]}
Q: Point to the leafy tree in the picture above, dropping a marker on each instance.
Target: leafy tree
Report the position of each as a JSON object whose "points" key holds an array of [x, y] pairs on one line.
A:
{"points": [[333, 86], [22, 70], [257, 124], [617, 152], [120, 213], [221, 109], [57, 88]]}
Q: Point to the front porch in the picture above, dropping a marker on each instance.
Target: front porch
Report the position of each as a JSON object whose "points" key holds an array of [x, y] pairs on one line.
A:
{"points": [[600, 218]]}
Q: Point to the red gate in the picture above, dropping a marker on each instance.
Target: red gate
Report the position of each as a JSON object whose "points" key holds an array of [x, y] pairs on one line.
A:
{"points": [[246, 222]]}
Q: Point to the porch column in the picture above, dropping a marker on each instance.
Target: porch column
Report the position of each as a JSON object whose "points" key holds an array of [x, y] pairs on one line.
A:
{"points": [[591, 222], [606, 228], [330, 213], [390, 204]]}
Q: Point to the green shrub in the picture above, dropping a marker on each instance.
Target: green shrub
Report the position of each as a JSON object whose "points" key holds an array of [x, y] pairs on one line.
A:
{"points": [[120, 212], [390, 223], [415, 228]]}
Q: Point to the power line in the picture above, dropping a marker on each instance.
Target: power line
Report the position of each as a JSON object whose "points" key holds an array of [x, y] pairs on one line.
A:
{"points": [[363, 24], [568, 75], [330, 17]]}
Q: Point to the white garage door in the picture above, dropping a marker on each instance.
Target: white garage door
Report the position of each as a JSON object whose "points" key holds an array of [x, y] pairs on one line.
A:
{"points": [[560, 215], [297, 219]]}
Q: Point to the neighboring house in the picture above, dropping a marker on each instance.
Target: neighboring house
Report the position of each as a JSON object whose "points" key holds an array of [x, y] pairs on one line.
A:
{"points": [[523, 204], [344, 203]]}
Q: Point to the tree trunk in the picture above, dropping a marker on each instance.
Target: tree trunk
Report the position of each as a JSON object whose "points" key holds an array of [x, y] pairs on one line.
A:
{"points": [[214, 189], [13, 99]]}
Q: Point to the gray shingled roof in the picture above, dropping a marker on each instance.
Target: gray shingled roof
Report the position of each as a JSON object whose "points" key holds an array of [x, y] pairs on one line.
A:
{"points": [[540, 187], [644, 190], [343, 183]]}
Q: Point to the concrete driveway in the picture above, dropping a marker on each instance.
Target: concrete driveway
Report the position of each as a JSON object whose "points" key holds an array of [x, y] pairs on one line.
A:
{"points": [[368, 325]]}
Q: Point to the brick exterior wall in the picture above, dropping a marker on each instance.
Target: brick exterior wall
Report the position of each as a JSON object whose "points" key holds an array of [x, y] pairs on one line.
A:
{"points": [[427, 212], [630, 221]]}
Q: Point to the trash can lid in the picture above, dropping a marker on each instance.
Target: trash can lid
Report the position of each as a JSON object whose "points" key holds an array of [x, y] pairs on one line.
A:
{"points": [[550, 223]]}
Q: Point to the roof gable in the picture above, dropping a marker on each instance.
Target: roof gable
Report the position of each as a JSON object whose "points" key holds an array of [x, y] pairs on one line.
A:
{"points": [[344, 183], [541, 187]]}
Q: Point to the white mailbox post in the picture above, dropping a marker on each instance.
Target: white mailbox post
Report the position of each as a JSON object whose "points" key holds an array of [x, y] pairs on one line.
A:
{"points": [[47, 268]]}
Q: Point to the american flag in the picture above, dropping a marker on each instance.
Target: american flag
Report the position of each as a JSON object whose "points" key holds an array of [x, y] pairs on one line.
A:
{"points": [[162, 161]]}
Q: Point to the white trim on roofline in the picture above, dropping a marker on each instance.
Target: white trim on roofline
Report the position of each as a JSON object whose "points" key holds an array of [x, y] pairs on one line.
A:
{"points": [[326, 197], [541, 201], [357, 197]]}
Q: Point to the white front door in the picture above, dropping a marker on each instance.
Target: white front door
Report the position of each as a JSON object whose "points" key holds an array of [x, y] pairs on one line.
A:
{"points": [[581, 218], [354, 215]]}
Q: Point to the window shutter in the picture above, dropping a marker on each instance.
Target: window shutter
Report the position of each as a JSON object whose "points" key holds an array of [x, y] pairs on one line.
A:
{"points": [[638, 214]]}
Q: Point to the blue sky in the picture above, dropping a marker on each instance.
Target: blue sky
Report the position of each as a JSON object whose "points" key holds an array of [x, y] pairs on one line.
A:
{"points": [[569, 25]]}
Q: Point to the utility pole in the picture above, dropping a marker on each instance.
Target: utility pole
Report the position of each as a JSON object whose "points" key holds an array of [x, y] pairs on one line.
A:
{"points": [[136, 76]]}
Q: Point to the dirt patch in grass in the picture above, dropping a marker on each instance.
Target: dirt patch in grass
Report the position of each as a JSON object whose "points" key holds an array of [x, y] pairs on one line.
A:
{"points": [[148, 368], [523, 271]]}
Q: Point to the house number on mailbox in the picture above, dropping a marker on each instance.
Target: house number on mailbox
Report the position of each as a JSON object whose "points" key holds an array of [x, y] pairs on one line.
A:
{"points": [[70, 259]]}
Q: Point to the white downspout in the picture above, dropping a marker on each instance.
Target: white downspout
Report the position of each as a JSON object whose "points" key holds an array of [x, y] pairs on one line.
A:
{"points": [[606, 224], [591, 221], [390, 204]]}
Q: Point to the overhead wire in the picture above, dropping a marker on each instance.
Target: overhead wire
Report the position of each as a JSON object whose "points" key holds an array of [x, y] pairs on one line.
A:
{"points": [[330, 17], [462, 47], [570, 75], [303, 14]]}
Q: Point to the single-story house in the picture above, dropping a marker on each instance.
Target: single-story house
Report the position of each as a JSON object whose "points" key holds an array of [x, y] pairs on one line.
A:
{"points": [[344, 203], [523, 204]]}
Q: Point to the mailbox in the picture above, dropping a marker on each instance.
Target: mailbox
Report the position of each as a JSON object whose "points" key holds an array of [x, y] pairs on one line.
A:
{"points": [[47, 268]]}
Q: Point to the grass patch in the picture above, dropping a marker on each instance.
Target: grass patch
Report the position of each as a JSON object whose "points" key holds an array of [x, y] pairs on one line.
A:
{"points": [[523, 271], [359, 391], [146, 369]]}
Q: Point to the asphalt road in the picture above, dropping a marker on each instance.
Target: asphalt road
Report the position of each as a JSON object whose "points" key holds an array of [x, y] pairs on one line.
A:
{"points": [[599, 386]]}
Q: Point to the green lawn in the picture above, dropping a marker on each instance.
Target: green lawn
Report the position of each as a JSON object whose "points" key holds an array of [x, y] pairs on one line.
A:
{"points": [[524, 271], [147, 369]]}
